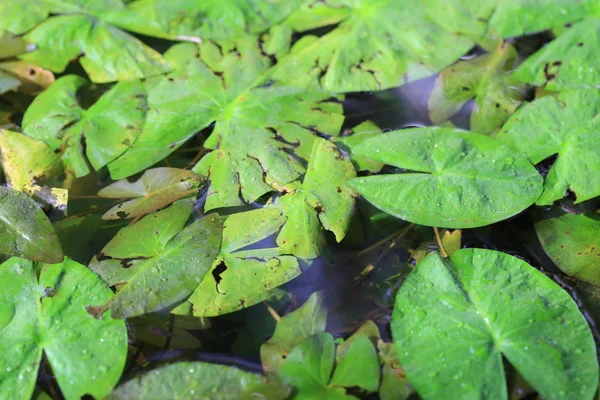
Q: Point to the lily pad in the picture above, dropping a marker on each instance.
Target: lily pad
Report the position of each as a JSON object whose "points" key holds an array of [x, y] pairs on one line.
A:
{"points": [[155, 189], [239, 277], [25, 231], [461, 179], [108, 127], [199, 380], [163, 265], [456, 319], [324, 201], [87, 355], [573, 243], [565, 125], [486, 79]]}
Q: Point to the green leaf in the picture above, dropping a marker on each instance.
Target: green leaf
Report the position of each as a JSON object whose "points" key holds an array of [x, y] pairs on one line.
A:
{"points": [[25, 231], [359, 366], [573, 243], [240, 278], [87, 355], [108, 127], [199, 20], [20, 16], [367, 51], [106, 53], [355, 136], [455, 319], [80, 236], [199, 380], [323, 201], [260, 128], [11, 45], [563, 125], [309, 365], [486, 79], [461, 179], [566, 62], [394, 385], [293, 328], [162, 267], [155, 189]]}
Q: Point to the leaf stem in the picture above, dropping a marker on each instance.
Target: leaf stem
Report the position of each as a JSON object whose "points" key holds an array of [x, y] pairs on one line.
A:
{"points": [[438, 238], [271, 311]]}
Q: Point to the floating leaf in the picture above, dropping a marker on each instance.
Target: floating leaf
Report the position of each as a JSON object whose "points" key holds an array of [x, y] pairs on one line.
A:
{"points": [[461, 179], [563, 125], [87, 355], [293, 328], [359, 366], [155, 264], [486, 79], [20, 16], [105, 52], [199, 380], [155, 189], [25, 230], [355, 136], [198, 20], [394, 385], [323, 201], [32, 79], [240, 278], [367, 51], [573, 243], [456, 319], [260, 127], [108, 127]]}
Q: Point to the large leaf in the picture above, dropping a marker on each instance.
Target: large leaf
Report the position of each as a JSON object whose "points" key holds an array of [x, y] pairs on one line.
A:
{"points": [[155, 189], [25, 230], [455, 319], [199, 20], [293, 328], [106, 53], [461, 179], [324, 200], [367, 51], [107, 128], [87, 355], [198, 380], [573, 243], [486, 79], [565, 125], [260, 128], [155, 264], [240, 278]]}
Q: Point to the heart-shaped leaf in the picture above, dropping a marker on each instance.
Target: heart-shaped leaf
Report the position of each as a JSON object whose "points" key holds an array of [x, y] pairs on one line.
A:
{"points": [[461, 179], [455, 319], [87, 355]]}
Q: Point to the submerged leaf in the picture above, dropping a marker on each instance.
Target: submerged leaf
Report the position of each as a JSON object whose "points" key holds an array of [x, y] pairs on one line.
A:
{"points": [[25, 230], [199, 380], [87, 355], [486, 79], [107, 128], [324, 200], [240, 278], [565, 125], [573, 243], [457, 318], [461, 179], [155, 189]]}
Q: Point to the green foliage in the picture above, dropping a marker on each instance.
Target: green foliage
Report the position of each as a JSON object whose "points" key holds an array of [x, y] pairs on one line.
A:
{"points": [[50, 314], [454, 320]]}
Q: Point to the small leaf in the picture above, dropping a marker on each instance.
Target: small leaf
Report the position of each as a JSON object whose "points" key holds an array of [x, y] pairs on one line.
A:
{"points": [[486, 79], [307, 320], [108, 127], [32, 79], [565, 125], [481, 305], [87, 355], [309, 365], [573, 243], [25, 230], [199, 380], [323, 201], [355, 136], [359, 366], [241, 278], [461, 179], [155, 189], [394, 385]]}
